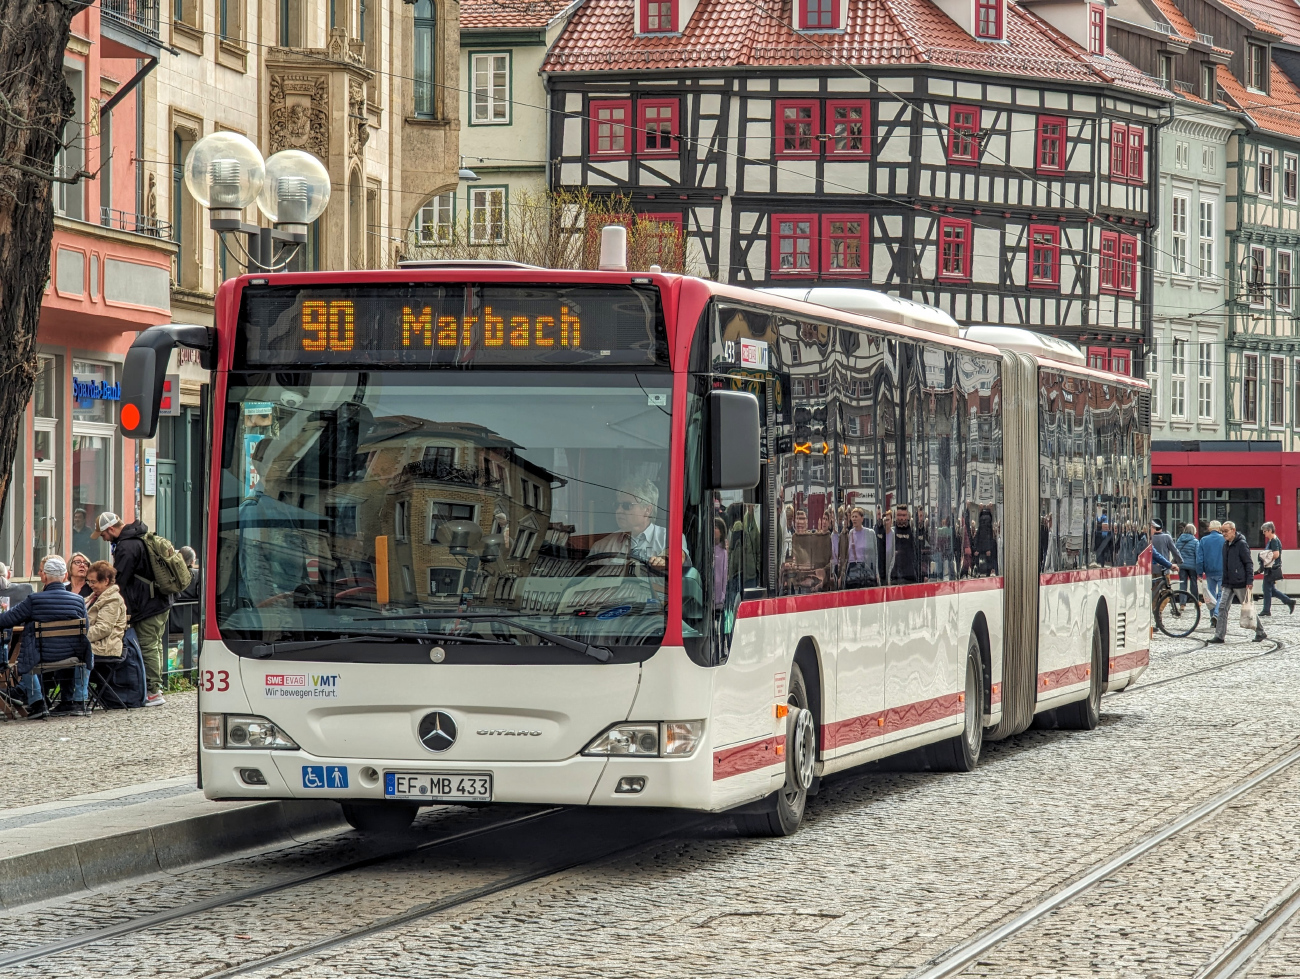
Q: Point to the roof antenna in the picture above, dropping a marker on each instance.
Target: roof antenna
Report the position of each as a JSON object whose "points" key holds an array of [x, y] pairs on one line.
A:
{"points": [[613, 248]]}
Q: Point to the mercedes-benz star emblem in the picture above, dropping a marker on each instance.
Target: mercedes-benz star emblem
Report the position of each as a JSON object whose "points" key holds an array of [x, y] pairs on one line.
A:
{"points": [[437, 731]]}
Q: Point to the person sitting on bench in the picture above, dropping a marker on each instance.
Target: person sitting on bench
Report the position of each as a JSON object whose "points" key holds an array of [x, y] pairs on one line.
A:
{"points": [[53, 603]]}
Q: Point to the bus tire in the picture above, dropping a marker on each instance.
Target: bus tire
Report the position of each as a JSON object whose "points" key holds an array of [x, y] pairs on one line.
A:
{"points": [[962, 753], [785, 812], [380, 817], [1084, 715]]}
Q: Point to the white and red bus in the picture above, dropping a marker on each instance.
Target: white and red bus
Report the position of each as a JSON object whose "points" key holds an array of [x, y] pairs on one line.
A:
{"points": [[518, 535]]}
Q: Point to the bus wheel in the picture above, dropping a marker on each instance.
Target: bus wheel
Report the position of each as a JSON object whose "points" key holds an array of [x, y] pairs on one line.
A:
{"points": [[962, 753], [1084, 715], [379, 817], [786, 806]]}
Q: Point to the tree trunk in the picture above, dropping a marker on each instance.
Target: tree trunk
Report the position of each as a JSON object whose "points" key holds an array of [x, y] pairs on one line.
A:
{"points": [[34, 102]]}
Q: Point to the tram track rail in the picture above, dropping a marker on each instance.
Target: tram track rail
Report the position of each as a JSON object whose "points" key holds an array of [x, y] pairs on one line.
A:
{"points": [[1204, 644], [1244, 951], [958, 958]]}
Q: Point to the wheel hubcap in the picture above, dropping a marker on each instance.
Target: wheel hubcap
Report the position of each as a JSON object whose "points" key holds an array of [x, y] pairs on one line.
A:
{"points": [[972, 707], [805, 749]]}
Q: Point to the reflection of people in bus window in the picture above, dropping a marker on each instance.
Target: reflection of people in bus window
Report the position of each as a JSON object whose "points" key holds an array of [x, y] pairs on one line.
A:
{"points": [[986, 545], [904, 566], [719, 562]]}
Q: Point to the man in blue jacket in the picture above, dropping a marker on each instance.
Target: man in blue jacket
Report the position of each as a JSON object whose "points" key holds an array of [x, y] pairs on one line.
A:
{"points": [[1188, 549], [51, 604], [1211, 555]]}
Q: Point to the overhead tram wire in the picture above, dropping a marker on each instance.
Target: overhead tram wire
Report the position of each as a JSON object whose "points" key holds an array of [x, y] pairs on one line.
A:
{"points": [[1140, 264]]}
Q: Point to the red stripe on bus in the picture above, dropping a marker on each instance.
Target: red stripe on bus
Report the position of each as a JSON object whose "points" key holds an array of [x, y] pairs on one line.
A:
{"points": [[819, 601], [1066, 677], [750, 757], [855, 730], [1129, 661], [1088, 574]]}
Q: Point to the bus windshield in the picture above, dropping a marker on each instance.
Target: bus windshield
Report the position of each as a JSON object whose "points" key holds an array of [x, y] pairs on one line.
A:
{"points": [[350, 497]]}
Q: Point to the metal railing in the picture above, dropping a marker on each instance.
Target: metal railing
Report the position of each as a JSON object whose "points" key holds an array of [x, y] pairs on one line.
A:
{"points": [[440, 472], [1205, 38], [137, 15], [141, 224]]}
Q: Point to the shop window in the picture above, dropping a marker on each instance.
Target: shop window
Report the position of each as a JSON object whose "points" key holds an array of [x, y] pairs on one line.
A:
{"points": [[988, 19], [658, 127], [954, 249], [848, 127], [94, 398], [1044, 256], [1051, 143], [1096, 29], [794, 250], [658, 16], [610, 121], [797, 128], [963, 134]]}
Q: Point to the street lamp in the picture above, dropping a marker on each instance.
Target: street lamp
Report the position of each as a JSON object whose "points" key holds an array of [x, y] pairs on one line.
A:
{"points": [[226, 173]]}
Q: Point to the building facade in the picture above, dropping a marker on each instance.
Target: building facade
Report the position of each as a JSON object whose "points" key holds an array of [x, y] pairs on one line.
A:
{"points": [[993, 159], [108, 278]]}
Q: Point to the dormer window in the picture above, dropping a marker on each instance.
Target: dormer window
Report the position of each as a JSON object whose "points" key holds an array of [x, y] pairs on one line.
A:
{"points": [[818, 15], [988, 20], [658, 16], [1257, 67], [1209, 83], [1096, 30]]}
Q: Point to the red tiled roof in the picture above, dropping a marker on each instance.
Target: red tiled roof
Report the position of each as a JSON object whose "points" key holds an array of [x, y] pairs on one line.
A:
{"points": [[1257, 18], [1277, 112], [757, 33], [1283, 16], [510, 14], [1176, 18]]}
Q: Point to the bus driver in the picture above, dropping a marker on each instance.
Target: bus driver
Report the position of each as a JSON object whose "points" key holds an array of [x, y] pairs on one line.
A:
{"points": [[638, 535]]}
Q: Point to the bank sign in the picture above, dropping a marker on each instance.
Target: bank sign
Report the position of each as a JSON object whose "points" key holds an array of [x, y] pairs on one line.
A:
{"points": [[95, 391]]}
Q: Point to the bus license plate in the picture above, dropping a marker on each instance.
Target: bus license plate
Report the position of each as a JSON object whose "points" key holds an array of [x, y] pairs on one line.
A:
{"points": [[439, 786]]}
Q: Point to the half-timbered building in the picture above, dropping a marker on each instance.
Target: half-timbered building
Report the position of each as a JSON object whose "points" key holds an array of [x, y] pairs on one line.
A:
{"points": [[989, 157]]}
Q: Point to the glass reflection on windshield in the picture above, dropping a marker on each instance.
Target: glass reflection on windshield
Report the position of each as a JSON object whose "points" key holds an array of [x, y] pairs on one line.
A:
{"points": [[346, 496]]}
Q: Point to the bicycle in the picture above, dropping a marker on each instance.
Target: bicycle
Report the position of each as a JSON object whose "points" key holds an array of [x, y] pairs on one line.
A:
{"points": [[1177, 612]]}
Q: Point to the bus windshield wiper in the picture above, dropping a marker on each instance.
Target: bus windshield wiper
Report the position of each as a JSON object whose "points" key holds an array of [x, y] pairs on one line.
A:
{"points": [[267, 650], [602, 654]]}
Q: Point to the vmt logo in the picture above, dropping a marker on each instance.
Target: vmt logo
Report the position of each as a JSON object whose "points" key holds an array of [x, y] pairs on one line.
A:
{"points": [[325, 680]]}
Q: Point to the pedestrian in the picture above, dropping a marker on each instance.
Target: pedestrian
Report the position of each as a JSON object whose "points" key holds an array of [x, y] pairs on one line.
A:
{"points": [[1190, 565], [1161, 542], [1211, 555], [147, 608], [1238, 579], [1271, 564], [53, 603]]}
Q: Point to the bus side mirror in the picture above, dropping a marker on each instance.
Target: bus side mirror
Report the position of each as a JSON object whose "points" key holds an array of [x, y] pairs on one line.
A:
{"points": [[734, 440], [145, 373]]}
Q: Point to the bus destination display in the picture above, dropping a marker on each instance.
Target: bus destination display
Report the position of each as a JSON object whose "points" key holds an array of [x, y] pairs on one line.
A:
{"points": [[435, 325]]}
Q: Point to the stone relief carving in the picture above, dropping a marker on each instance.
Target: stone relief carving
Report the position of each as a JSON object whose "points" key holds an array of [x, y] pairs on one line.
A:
{"points": [[358, 119], [151, 200], [299, 117]]}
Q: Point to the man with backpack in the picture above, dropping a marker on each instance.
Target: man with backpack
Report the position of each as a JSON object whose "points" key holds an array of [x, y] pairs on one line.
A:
{"points": [[150, 573]]}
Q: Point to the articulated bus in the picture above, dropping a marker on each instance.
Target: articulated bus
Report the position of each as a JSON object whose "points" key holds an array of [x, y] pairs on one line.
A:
{"points": [[507, 534], [1247, 482]]}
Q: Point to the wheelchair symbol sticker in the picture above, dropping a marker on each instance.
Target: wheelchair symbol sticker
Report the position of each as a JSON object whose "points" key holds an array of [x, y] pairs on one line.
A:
{"points": [[324, 776]]}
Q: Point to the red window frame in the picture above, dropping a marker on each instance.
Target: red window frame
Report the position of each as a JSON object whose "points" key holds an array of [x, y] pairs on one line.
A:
{"points": [[669, 218], [813, 119], [822, 19], [988, 19], [1137, 137], [644, 122], [796, 222], [1099, 358], [837, 233], [954, 249], [1121, 361], [963, 127], [1118, 151], [1108, 263], [595, 121], [1096, 29], [1127, 265], [1044, 257], [658, 5], [1050, 150], [863, 107]]}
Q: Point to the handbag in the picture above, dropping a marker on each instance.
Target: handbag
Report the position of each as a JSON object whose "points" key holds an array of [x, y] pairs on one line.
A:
{"points": [[856, 576], [1248, 613]]}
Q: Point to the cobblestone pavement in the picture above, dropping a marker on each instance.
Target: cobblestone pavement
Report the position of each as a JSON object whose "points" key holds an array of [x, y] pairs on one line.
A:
{"points": [[45, 761], [889, 871]]}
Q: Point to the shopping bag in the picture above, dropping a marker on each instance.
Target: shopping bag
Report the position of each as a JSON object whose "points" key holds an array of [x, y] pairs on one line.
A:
{"points": [[1248, 613], [1204, 590]]}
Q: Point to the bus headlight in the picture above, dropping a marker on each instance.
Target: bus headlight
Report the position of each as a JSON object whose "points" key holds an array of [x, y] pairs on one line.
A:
{"points": [[244, 731], [676, 738]]}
